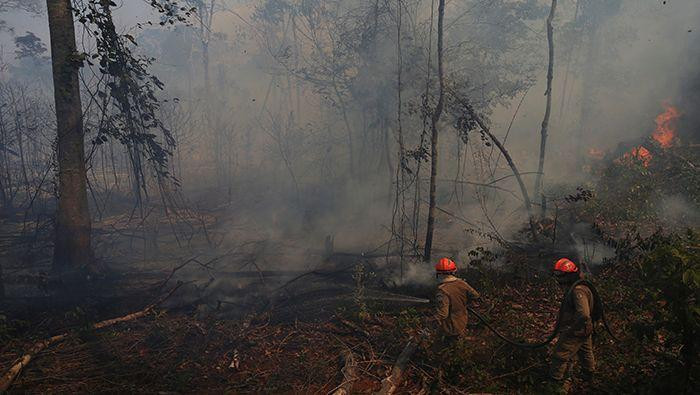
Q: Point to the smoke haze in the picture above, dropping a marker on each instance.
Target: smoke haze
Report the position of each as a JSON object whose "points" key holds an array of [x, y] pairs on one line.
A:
{"points": [[286, 112]]}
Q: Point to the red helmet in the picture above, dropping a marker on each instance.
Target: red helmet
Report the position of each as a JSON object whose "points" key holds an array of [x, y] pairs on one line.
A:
{"points": [[565, 265], [446, 265]]}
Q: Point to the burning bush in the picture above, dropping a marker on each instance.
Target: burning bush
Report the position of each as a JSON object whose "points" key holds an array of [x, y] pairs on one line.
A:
{"points": [[632, 188]]}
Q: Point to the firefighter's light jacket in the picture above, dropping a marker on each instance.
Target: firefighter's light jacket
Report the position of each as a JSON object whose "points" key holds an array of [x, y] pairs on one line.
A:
{"points": [[451, 305]]}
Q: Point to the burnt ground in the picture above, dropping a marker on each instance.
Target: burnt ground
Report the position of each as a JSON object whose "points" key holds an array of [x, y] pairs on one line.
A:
{"points": [[296, 347], [290, 339]]}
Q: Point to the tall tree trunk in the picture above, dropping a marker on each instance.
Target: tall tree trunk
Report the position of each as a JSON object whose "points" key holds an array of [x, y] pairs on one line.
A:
{"points": [[400, 202], [206, 15], [548, 110], [434, 138], [348, 128], [72, 253]]}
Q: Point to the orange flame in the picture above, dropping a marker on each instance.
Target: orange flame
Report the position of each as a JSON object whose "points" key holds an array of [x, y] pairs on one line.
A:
{"points": [[642, 154], [639, 153], [665, 133]]}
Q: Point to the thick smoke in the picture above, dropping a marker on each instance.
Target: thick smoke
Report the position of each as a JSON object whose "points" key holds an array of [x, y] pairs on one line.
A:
{"points": [[263, 130]]}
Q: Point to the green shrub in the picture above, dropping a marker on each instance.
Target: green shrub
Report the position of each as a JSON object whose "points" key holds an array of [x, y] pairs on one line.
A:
{"points": [[671, 274]]}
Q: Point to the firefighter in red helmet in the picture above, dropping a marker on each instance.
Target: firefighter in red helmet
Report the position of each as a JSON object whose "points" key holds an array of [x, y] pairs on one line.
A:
{"points": [[575, 338], [451, 300]]}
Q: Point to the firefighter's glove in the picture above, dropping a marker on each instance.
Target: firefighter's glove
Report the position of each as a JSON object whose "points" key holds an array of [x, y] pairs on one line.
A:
{"points": [[585, 329]]}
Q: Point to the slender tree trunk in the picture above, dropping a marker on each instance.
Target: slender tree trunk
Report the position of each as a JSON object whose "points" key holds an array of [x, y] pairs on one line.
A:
{"points": [[548, 110], [117, 185], [205, 61], [20, 142], [588, 82], [6, 184], [516, 173], [205, 21], [20, 148], [348, 128], [72, 253], [569, 55], [511, 163], [434, 138], [400, 198], [206, 18]]}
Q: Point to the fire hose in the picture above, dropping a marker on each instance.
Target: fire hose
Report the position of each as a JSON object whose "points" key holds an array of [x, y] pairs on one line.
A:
{"points": [[557, 327]]}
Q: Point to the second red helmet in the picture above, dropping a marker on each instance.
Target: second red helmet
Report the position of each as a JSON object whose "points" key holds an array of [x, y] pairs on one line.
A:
{"points": [[565, 265], [446, 265]]}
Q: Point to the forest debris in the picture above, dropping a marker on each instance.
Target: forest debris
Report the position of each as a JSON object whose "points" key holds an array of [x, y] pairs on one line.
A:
{"points": [[349, 372], [38, 347], [353, 326], [15, 370], [393, 381], [235, 360]]}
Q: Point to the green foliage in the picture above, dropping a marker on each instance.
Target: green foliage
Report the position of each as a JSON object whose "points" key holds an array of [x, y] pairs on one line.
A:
{"points": [[671, 271], [128, 95]]}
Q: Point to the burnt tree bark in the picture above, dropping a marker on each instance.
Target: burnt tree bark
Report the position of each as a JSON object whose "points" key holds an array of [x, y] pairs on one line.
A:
{"points": [[545, 122], [72, 252], [434, 137]]}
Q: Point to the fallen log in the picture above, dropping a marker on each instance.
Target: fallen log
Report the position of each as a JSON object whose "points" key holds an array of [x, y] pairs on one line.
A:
{"points": [[9, 377], [16, 369], [349, 372], [393, 381]]}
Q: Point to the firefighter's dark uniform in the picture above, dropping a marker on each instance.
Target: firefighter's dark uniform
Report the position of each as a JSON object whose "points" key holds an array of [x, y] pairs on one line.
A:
{"points": [[575, 338], [451, 306]]}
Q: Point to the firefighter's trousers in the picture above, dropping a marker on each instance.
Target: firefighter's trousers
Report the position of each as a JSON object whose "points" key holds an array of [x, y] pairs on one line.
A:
{"points": [[569, 347]]}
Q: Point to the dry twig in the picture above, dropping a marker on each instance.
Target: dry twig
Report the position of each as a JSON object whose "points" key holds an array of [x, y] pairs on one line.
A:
{"points": [[349, 371]]}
